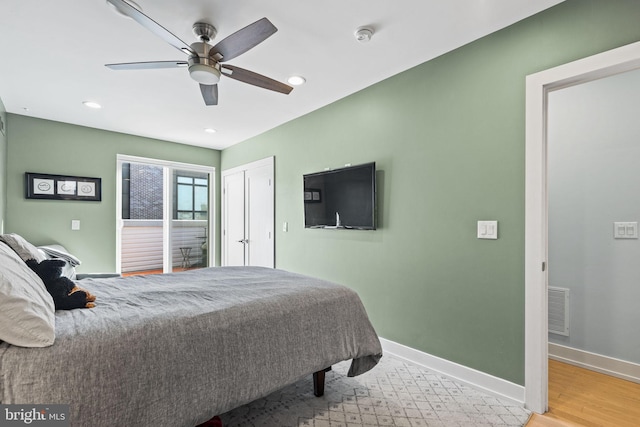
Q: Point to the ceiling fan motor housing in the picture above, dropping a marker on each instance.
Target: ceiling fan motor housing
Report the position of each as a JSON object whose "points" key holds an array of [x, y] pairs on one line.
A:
{"points": [[202, 68], [204, 31]]}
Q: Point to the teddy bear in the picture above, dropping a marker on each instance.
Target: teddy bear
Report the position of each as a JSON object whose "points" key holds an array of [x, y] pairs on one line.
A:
{"points": [[66, 295]]}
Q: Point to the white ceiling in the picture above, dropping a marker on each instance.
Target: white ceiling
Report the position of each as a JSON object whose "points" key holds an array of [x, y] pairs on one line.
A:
{"points": [[52, 56]]}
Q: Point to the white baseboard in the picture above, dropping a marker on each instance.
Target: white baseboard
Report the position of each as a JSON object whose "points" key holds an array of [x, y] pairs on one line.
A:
{"points": [[596, 362], [474, 378]]}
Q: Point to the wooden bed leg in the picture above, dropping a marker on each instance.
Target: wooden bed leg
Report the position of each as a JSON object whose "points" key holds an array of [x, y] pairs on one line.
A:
{"points": [[318, 382]]}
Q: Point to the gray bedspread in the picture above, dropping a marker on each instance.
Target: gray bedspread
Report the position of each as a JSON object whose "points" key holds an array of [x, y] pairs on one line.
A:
{"points": [[176, 349]]}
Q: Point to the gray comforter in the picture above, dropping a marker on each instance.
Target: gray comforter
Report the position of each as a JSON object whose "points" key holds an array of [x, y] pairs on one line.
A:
{"points": [[176, 349]]}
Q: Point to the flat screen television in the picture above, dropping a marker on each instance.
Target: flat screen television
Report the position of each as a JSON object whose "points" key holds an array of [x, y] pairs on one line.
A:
{"points": [[342, 198]]}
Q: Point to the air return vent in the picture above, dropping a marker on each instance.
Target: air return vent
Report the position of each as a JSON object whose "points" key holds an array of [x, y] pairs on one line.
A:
{"points": [[559, 311]]}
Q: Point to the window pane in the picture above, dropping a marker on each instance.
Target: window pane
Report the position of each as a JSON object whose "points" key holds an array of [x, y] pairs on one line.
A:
{"points": [[145, 191], [185, 198], [185, 180], [200, 199], [200, 181], [201, 215], [184, 215]]}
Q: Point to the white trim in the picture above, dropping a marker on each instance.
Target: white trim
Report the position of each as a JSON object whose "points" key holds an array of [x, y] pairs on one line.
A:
{"points": [[538, 85], [596, 362], [488, 383], [267, 161], [167, 222], [119, 221], [169, 163]]}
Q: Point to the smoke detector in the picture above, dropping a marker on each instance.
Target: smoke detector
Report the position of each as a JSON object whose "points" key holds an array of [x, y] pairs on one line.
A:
{"points": [[363, 34]]}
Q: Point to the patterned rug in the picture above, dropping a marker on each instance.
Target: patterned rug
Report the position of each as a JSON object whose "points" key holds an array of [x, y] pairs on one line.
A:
{"points": [[394, 393]]}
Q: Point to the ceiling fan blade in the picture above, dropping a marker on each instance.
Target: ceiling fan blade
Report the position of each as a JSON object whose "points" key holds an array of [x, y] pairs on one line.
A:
{"points": [[255, 79], [151, 25], [209, 94], [147, 65], [243, 40]]}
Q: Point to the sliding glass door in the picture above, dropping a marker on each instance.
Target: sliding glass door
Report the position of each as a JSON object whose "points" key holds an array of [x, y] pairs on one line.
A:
{"points": [[190, 219], [164, 216]]}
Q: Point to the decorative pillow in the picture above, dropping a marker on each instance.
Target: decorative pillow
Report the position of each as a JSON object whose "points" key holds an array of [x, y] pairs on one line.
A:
{"points": [[26, 308], [23, 248]]}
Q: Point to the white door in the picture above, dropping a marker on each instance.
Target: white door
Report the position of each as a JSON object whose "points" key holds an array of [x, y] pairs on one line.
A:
{"points": [[259, 230], [248, 214], [234, 218]]}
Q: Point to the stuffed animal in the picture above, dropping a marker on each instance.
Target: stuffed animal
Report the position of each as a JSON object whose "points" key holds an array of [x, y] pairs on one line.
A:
{"points": [[66, 295]]}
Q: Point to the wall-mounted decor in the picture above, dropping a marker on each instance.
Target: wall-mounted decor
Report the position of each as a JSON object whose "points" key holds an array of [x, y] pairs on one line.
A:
{"points": [[62, 187]]}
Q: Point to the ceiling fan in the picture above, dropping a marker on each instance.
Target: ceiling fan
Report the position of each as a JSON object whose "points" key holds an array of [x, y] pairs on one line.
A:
{"points": [[205, 62]]}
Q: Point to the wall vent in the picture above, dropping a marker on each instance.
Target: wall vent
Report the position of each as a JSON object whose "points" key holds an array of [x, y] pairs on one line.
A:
{"points": [[559, 311]]}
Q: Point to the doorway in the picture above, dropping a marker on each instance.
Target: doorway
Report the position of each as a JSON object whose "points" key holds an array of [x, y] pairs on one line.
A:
{"points": [[164, 216], [248, 215], [538, 86]]}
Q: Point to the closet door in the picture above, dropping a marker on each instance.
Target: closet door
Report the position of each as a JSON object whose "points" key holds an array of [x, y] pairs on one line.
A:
{"points": [[260, 218], [248, 214], [233, 250]]}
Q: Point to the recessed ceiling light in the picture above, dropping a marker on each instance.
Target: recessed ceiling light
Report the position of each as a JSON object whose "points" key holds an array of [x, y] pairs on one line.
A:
{"points": [[92, 104], [210, 130], [296, 80]]}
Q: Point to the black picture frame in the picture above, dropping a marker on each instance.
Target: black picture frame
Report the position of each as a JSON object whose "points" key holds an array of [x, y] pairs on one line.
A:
{"points": [[62, 187]]}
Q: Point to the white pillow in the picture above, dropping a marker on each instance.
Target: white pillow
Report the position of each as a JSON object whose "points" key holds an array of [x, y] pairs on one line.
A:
{"points": [[23, 248], [59, 251], [27, 316]]}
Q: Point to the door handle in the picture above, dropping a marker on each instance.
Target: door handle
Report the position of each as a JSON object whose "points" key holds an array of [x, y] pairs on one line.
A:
{"points": [[243, 241]]}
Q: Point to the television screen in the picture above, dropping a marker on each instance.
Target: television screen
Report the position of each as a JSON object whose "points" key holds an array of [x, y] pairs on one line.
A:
{"points": [[342, 198]]}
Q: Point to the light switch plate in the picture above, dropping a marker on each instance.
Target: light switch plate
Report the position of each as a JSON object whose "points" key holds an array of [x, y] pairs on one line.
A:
{"points": [[488, 230], [625, 230], [75, 224]]}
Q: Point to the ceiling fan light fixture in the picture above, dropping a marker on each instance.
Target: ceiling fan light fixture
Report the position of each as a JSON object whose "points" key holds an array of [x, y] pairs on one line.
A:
{"points": [[204, 74], [210, 130]]}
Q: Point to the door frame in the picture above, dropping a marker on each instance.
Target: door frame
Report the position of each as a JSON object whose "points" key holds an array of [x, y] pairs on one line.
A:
{"points": [[267, 161], [168, 212], [538, 86]]}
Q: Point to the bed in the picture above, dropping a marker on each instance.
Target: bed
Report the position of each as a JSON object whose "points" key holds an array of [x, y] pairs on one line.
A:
{"points": [[176, 349]]}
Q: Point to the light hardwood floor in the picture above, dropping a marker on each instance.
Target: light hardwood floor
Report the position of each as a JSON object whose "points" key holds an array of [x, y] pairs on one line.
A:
{"points": [[579, 397]]}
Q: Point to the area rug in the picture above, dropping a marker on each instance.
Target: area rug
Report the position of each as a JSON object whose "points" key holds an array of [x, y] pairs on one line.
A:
{"points": [[394, 393]]}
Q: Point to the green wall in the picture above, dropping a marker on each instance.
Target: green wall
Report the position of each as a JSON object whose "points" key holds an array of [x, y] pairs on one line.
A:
{"points": [[3, 165], [448, 138], [44, 146]]}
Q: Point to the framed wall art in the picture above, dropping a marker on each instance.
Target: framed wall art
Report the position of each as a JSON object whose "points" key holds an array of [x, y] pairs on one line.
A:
{"points": [[62, 187]]}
